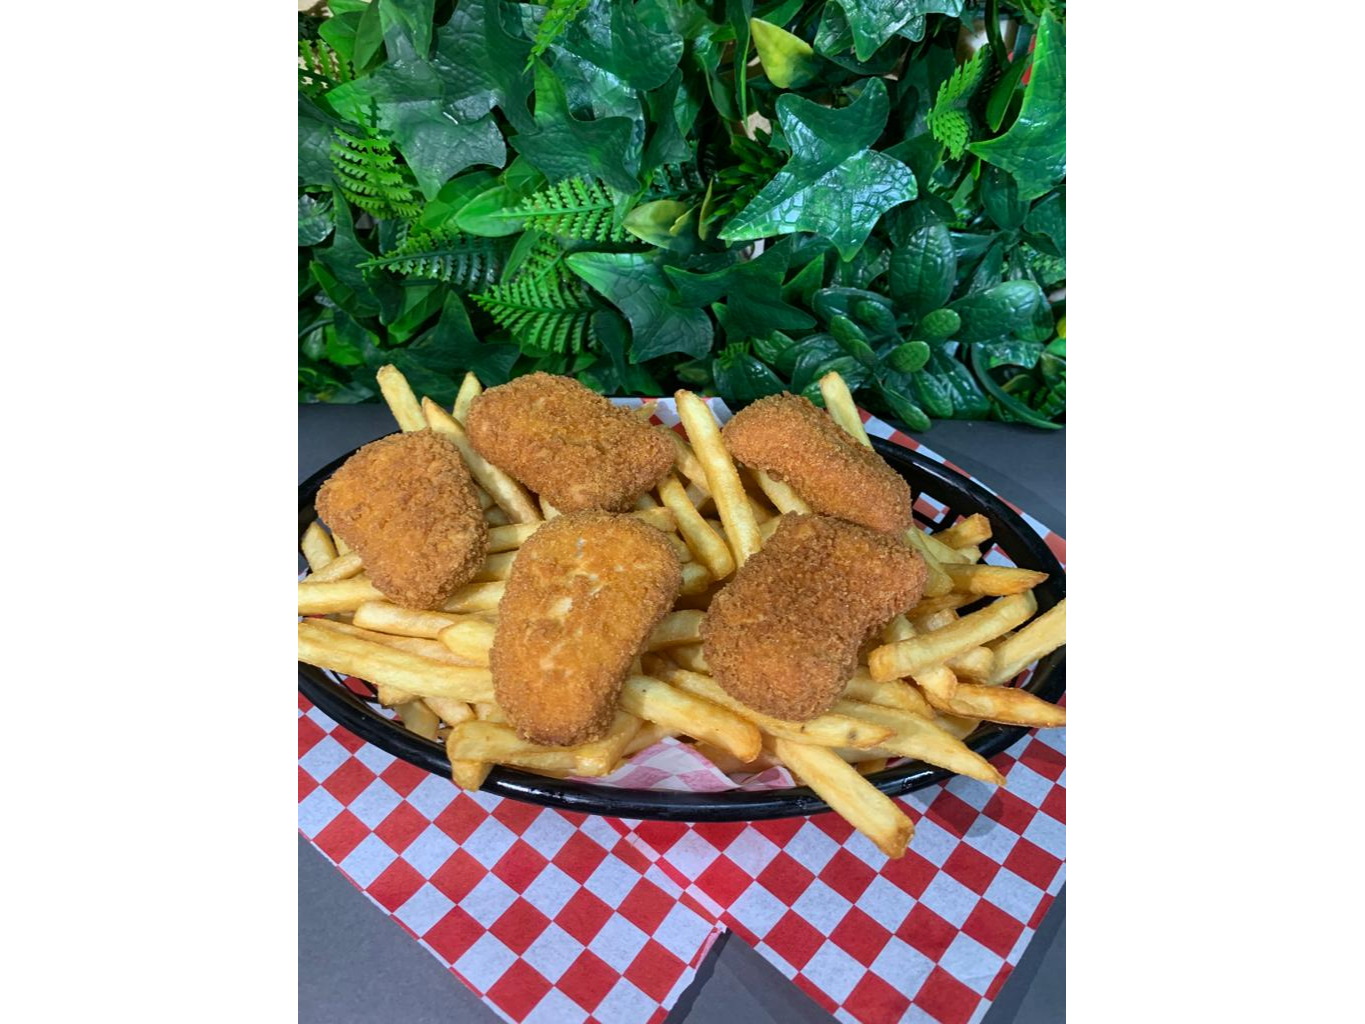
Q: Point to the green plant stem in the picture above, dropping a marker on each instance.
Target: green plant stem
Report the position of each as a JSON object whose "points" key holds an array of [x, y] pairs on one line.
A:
{"points": [[993, 34]]}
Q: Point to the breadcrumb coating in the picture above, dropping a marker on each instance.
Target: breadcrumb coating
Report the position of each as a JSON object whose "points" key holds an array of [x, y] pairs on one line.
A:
{"points": [[585, 592], [568, 444], [789, 438], [406, 503], [783, 636]]}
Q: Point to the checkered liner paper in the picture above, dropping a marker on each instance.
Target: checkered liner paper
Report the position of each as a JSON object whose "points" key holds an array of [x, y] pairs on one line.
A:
{"points": [[556, 918]]}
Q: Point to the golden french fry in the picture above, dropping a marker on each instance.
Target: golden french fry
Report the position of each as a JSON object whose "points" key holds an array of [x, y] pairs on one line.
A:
{"points": [[601, 756], [938, 582], [468, 775], [972, 530], [451, 712], [476, 597], [918, 737], [761, 512], [781, 494], [510, 496], [872, 766], [342, 547], [343, 567], [687, 462], [731, 765], [682, 627], [470, 389], [546, 509], [929, 606], [976, 663], [1041, 636], [419, 718], [485, 500], [655, 701], [839, 402], [970, 553], [496, 567], [645, 501], [830, 730], [992, 580], [689, 656], [337, 596], [659, 518], [649, 734], [402, 402], [898, 628], [495, 743], [488, 711], [1005, 704], [941, 551], [432, 649], [384, 617], [938, 683], [767, 529], [510, 537], [318, 549], [851, 796], [893, 693], [391, 696], [741, 527], [695, 578], [907, 657], [955, 725], [381, 664], [710, 548], [935, 621], [646, 410], [470, 638], [679, 547], [496, 517]]}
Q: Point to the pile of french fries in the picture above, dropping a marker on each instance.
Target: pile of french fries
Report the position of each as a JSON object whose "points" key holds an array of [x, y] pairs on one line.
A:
{"points": [[939, 671]]}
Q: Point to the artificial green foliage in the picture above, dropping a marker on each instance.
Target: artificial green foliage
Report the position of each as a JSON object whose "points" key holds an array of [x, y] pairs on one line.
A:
{"points": [[577, 208], [369, 175], [444, 254], [734, 196]]}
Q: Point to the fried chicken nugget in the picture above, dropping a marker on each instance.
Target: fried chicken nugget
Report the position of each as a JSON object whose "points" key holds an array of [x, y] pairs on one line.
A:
{"points": [[783, 637], [567, 443], [585, 592], [407, 505], [793, 441]]}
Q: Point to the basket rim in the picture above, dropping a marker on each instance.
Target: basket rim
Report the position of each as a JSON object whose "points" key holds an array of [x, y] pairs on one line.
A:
{"points": [[944, 485]]}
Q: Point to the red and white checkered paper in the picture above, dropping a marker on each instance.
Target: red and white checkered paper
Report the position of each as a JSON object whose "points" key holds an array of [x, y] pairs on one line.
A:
{"points": [[555, 918]]}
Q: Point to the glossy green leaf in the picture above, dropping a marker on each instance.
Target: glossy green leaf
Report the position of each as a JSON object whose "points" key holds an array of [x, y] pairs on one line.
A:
{"points": [[833, 184], [873, 22], [788, 60], [1034, 147], [923, 270], [406, 25], [753, 290], [909, 357], [483, 63], [653, 222], [636, 286], [1048, 219], [969, 402], [1000, 198], [562, 146], [437, 361], [315, 220], [609, 330], [344, 281], [492, 214], [1003, 92], [741, 379], [369, 36], [896, 391], [1016, 409], [611, 35], [998, 311]]}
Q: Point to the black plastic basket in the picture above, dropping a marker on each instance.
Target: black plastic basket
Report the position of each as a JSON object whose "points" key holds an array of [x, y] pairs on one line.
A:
{"points": [[959, 496]]}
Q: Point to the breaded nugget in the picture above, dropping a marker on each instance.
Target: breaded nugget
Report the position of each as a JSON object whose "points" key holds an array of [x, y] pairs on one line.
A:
{"points": [[585, 592], [783, 637], [407, 505], [789, 438], [568, 444]]}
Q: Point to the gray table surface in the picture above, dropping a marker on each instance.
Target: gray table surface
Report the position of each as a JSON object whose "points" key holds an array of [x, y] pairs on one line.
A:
{"points": [[356, 966]]}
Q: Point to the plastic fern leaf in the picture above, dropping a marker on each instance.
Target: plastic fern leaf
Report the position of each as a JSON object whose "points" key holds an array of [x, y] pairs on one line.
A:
{"points": [[558, 17], [321, 67], [948, 120], [465, 261], [370, 176], [578, 208], [546, 314]]}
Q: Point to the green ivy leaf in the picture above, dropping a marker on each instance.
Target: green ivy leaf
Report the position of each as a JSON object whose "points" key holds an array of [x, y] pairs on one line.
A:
{"points": [[741, 379], [1048, 219], [562, 146], [636, 286], [369, 36], [435, 363], [406, 25], [1034, 147], [998, 311], [924, 269], [873, 22], [625, 378], [315, 220], [611, 35], [483, 63], [788, 60], [834, 184], [1000, 197], [753, 293], [343, 280]]}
